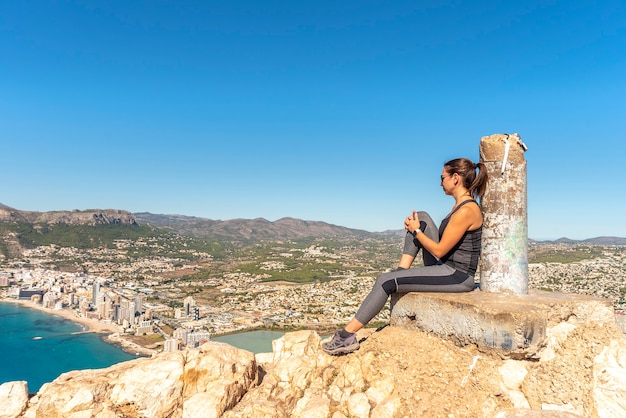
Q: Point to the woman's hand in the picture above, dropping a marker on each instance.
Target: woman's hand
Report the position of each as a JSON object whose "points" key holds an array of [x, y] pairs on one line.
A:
{"points": [[412, 222], [467, 218]]}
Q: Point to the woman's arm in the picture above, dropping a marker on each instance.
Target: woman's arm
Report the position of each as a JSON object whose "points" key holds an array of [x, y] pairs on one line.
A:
{"points": [[465, 219]]}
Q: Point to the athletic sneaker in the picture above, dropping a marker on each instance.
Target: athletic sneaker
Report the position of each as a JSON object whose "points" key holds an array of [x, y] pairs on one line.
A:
{"points": [[338, 345]]}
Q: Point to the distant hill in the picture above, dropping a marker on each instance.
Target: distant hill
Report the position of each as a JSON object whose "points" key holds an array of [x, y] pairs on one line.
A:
{"points": [[258, 229], [590, 241], [605, 241], [249, 230]]}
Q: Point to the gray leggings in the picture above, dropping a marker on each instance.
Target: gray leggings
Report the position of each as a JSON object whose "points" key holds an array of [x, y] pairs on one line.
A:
{"points": [[434, 276]]}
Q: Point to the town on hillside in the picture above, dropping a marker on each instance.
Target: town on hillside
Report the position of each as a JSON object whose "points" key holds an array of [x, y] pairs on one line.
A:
{"points": [[167, 303]]}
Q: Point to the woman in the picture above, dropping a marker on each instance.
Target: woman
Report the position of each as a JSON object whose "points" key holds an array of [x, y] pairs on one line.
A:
{"points": [[450, 252]]}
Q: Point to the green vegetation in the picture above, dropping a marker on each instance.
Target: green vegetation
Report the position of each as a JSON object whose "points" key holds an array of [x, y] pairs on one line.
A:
{"points": [[377, 324], [297, 261], [4, 250], [139, 241], [564, 255], [315, 260], [298, 273], [76, 236]]}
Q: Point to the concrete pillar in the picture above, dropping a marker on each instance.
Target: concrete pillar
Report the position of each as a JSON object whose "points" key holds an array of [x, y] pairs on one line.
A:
{"points": [[504, 258]]}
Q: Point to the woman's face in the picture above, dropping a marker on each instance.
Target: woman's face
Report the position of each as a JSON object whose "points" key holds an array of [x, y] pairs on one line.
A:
{"points": [[447, 181]]}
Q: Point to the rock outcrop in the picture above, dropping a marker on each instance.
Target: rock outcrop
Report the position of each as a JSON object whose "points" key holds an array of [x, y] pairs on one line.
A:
{"points": [[511, 326], [396, 373], [74, 217]]}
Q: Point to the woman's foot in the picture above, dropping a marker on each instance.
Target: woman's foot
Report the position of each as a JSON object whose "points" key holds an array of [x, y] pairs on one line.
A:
{"points": [[339, 345]]}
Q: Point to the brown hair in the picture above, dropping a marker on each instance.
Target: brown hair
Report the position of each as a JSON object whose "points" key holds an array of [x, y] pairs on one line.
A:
{"points": [[464, 167]]}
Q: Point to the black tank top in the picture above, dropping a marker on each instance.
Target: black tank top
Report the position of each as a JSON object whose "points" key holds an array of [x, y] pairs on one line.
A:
{"points": [[465, 254]]}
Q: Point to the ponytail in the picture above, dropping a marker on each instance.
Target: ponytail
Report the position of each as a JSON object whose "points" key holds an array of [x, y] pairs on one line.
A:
{"points": [[479, 185], [475, 183]]}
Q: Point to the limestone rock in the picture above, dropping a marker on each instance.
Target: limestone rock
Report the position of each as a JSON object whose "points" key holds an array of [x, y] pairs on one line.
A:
{"points": [[526, 413], [609, 374], [13, 398], [73, 217], [293, 380], [396, 373], [210, 379]]}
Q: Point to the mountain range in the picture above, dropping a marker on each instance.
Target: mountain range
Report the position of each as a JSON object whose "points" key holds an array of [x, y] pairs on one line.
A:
{"points": [[257, 229]]}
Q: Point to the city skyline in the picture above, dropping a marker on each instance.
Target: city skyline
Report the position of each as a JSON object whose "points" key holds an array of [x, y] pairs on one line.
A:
{"points": [[341, 113]]}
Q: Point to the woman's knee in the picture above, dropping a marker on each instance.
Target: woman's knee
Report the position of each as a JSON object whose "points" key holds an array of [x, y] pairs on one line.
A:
{"points": [[387, 283]]}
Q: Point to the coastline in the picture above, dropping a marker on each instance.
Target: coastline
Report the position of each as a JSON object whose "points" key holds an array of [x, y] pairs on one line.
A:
{"points": [[111, 332], [130, 347]]}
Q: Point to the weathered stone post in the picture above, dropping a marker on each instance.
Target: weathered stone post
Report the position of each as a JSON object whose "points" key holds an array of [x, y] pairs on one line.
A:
{"points": [[504, 258]]}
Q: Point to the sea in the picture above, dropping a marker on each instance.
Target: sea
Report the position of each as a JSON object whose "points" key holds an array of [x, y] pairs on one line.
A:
{"points": [[255, 341], [37, 346]]}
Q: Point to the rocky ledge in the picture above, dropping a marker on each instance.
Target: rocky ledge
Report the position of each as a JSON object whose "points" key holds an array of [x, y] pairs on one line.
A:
{"points": [[396, 373]]}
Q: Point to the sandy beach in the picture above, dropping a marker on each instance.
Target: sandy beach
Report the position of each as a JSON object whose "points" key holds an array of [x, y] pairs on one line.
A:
{"points": [[91, 325]]}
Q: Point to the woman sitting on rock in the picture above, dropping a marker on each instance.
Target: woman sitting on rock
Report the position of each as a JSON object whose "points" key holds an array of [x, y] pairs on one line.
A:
{"points": [[450, 252]]}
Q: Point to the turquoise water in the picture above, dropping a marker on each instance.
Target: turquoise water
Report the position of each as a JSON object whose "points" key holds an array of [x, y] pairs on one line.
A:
{"points": [[254, 341], [37, 347]]}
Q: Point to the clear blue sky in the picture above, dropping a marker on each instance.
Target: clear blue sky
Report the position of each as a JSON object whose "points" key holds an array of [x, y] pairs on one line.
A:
{"points": [[341, 111]]}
